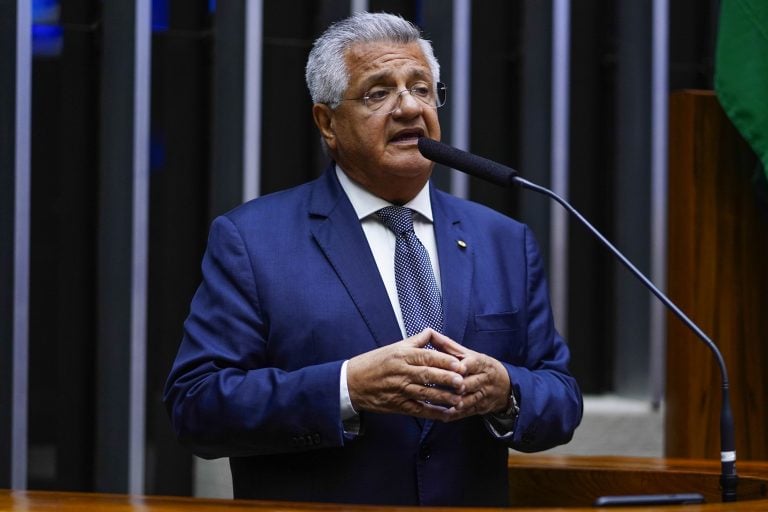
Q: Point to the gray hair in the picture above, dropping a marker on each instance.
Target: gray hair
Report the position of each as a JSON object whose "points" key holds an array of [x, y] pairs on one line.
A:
{"points": [[326, 73]]}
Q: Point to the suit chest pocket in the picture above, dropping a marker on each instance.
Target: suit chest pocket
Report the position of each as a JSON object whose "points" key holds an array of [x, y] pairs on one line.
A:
{"points": [[498, 335], [506, 321]]}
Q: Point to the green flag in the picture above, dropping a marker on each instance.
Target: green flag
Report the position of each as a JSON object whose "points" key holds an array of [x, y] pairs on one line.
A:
{"points": [[741, 70]]}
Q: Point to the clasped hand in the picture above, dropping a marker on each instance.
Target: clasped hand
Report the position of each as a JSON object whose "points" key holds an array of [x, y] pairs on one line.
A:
{"points": [[446, 384]]}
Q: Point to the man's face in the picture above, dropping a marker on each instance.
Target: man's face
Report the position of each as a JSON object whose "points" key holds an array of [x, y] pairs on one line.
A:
{"points": [[379, 150]]}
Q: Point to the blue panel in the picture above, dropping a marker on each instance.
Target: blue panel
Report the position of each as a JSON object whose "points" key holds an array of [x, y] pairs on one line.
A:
{"points": [[46, 32], [45, 11], [159, 15], [157, 150]]}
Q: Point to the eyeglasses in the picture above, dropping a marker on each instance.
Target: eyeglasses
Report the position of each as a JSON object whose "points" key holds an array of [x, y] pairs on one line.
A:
{"points": [[385, 100]]}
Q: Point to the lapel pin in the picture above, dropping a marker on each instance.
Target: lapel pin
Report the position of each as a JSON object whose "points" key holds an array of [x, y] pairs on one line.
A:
{"points": [[461, 243]]}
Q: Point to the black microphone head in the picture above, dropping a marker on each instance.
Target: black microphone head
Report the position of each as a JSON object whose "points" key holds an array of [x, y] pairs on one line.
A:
{"points": [[466, 162]]}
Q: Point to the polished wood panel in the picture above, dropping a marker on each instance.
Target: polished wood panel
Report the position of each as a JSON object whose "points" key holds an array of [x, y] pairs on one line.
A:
{"points": [[552, 481], [718, 274], [538, 482]]}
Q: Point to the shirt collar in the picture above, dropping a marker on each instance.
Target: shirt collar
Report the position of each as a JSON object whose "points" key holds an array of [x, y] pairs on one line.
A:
{"points": [[366, 204]]}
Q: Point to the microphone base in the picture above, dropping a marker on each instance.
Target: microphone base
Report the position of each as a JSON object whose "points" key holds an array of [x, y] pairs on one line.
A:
{"points": [[728, 484]]}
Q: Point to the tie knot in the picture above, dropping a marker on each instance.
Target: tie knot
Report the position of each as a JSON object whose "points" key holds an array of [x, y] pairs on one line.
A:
{"points": [[397, 218]]}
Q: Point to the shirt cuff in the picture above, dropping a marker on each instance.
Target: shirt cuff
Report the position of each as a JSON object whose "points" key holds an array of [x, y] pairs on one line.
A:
{"points": [[350, 419], [502, 425], [500, 428]]}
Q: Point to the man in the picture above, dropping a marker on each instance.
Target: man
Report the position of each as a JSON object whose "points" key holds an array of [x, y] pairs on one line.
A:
{"points": [[305, 355]]}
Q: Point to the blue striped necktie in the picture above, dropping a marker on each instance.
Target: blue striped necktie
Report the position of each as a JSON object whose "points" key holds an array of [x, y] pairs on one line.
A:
{"points": [[417, 290]]}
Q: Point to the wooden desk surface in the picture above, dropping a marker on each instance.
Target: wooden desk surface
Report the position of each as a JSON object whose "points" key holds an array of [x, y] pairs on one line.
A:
{"points": [[575, 476]]}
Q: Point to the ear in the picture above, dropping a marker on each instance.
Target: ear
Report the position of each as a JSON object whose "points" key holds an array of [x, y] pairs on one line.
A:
{"points": [[323, 116]]}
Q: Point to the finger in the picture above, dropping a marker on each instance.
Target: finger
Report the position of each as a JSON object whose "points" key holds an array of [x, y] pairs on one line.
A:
{"points": [[492, 383], [434, 395], [484, 399], [432, 384], [419, 340], [482, 365], [445, 344], [473, 403], [475, 362], [479, 375], [436, 410], [448, 380], [435, 359]]}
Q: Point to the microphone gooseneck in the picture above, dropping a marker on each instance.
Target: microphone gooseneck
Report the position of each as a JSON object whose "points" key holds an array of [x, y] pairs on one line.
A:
{"points": [[502, 175]]}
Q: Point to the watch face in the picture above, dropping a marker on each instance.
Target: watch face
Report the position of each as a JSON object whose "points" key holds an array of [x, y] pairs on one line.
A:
{"points": [[513, 409]]}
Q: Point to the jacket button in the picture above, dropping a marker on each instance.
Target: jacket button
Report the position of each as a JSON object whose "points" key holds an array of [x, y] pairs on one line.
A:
{"points": [[424, 452]]}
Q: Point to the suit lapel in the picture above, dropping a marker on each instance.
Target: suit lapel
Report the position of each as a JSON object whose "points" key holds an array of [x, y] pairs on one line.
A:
{"points": [[337, 231], [455, 251]]}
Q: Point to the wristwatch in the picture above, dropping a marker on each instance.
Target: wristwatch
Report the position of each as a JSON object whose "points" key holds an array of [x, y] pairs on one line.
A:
{"points": [[513, 411], [503, 424]]}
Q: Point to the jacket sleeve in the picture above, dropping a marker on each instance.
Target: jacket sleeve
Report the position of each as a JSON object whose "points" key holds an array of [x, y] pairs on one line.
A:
{"points": [[223, 397], [550, 399]]}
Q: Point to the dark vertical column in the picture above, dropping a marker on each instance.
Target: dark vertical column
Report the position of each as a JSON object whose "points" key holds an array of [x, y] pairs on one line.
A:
{"points": [[692, 40], [73, 319], [226, 186], [536, 112], [496, 86], [179, 173], [122, 248], [408, 9], [7, 216], [45, 249], [591, 146], [436, 20], [289, 133], [320, 15], [15, 65], [632, 181]]}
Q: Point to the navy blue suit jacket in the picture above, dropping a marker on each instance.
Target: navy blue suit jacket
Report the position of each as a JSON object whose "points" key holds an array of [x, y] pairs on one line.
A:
{"points": [[291, 289]]}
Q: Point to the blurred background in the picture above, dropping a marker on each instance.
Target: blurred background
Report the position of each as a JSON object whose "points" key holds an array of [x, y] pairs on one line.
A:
{"points": [[145, 119]]}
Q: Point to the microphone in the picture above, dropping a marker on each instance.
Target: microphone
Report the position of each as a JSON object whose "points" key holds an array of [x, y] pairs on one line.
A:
{"points": [[505, 176], [474, 165]]}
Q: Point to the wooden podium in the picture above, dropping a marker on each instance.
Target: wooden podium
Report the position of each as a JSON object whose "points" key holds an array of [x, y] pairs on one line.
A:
{"points": [[545, 481], [718, 274], [537, 482]]}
